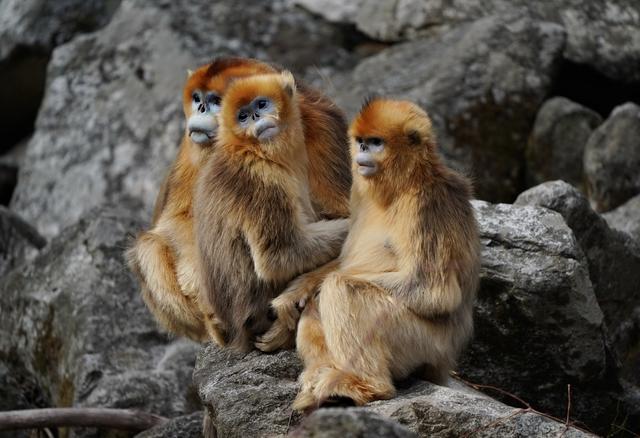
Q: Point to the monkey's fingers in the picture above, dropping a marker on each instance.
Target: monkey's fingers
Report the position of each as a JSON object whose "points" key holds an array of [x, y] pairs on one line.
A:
{"points": [[287, 313]]}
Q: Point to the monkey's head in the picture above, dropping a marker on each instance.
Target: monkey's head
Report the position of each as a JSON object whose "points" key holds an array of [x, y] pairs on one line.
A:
{"points": [[203, 93], [258, 110], [389, 138]]}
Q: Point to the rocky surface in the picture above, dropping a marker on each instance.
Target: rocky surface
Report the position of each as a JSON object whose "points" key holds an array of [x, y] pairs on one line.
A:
{"points": [[111, 120], [187, 426], [613, 261], [251, 396], [556, 145], [467, 78], [29, 30], [536, 300], [612, 159], [604, 35], [349, 422], [18, 239], [626, 218], [73, 321]]}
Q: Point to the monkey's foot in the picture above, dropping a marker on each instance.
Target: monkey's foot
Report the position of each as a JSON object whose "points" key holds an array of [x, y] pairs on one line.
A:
{"points": [[277, 337], [305, 402], [335, 384]]}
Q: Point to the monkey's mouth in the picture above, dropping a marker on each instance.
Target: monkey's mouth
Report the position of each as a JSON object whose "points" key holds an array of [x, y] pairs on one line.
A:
{"points": [[201, 128], [266, 130], [201, 136], [366, 165]]}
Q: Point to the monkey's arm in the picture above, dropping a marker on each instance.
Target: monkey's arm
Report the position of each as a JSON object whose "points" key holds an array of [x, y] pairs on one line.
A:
{"points": [[283, 247], [161, 199], [298, 292], [288, 306], [428, 300]]}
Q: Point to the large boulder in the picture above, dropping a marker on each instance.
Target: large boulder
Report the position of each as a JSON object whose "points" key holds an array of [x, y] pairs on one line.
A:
{"points": [[251, 395], [538, 324], [74, 322], [556, 145], [614, 266], [29, 30], [626, 218], [111, 120], [612, 159], [482, 84], [601, 34]]}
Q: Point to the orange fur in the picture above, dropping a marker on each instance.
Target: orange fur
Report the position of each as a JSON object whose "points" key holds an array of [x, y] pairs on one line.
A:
{"points": [[255, 222], [172, 260], [401, 298]]}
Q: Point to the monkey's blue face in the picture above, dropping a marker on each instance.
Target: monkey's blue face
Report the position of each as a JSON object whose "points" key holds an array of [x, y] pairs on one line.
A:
{"points": [[202, 124], [369, 154], [259, 118]]}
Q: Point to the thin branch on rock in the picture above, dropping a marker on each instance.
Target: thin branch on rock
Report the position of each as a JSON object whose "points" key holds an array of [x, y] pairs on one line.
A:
{"points": [[527, 408], [123, 419]]}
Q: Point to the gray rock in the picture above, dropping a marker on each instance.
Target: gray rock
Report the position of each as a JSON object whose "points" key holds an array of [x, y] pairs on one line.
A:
{"points": [[29, 30], [538, 324], [111, 120], [340, 423], [482, 84], [612, 159], [187, 426], [73, 318], [613, 261], [335, 11], [626, 218], [556, 145], [251, 396], [8, 181], [43, 25], [248, 395], [18, 239], [436, 411], [604, 35]]}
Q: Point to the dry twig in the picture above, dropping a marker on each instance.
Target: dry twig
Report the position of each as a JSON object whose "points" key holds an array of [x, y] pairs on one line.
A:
{"points": [[124, 419]]}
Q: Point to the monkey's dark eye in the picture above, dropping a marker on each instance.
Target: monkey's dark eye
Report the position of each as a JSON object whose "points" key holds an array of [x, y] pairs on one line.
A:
{"points": [[359, 140], [212, 99], [262, 103], [242, 116], [196, 97], [375, 141]]}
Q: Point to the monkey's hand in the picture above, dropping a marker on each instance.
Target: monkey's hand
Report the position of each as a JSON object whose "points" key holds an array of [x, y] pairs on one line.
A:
{"points": [[287, 307], [300, 290]]}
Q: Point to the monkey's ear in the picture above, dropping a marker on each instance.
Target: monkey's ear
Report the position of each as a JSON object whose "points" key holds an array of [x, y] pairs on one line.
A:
{"points": [[189, 73], [288, 82], [414, 137]]}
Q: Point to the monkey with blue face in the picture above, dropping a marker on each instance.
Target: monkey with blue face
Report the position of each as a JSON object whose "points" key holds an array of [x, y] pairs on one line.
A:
{"points": [[165, 257], [256, 227], [400, 296]]}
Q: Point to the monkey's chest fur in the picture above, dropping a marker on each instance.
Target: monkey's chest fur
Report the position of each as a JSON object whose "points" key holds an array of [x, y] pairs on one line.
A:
{"points": [[241, 299]]}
